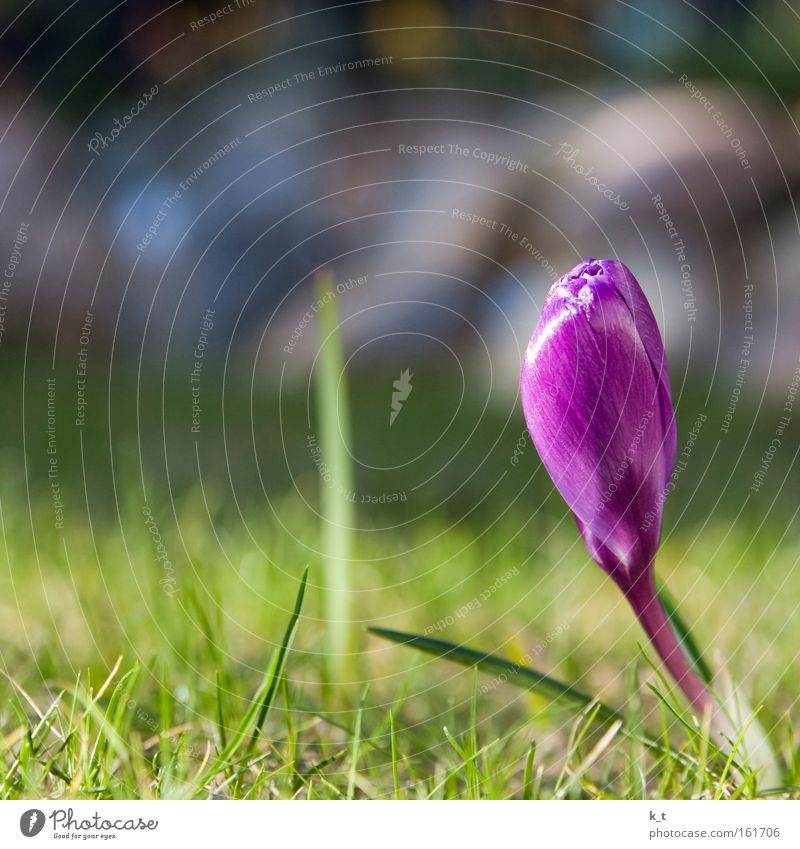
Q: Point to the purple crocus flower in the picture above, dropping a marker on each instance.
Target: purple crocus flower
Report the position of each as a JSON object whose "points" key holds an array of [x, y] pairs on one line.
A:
{"points": [[596, 395]]}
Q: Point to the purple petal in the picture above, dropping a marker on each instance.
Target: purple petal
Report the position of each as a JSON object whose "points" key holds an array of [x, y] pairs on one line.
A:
{"points": [[597, 403], [647, 327]]}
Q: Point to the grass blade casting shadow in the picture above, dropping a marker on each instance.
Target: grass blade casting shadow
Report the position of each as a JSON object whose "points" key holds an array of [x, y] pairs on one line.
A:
{"points": [[523, 676], [561, 694], [519, 676]]}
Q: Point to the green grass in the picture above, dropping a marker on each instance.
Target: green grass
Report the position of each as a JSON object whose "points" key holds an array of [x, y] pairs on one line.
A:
{"points": [[125, 679], [337, 512], [209, 699]]}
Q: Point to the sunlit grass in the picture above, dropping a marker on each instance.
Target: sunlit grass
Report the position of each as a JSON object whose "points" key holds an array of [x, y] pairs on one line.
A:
{"points": [[180, 715], [124, 680]]}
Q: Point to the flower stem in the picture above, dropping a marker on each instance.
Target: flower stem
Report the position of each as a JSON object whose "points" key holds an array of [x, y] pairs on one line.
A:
{"points": [[644, 600]]}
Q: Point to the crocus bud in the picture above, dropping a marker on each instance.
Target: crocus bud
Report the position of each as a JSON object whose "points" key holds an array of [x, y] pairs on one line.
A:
{"points": [[596, 396], [597, 402]]}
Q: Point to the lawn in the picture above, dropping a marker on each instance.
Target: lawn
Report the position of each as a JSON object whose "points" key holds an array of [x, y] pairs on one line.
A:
{"points": [[150, 647]]}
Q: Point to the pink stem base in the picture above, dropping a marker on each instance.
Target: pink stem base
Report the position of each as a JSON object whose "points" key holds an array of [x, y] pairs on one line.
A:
{"points": [[643, 598]]}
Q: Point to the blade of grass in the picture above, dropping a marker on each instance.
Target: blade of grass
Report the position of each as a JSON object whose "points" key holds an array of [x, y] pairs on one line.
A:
{"points": [[351, 780], [292, 741], [575, 774], [393, 740], [580, 728], [333, 423], [165, 717], [105, 728], [561, 694], [211, 636], [454, 771], [317, 768], [118, 712], [45, 724], [280, 663], [474, 774], [259, 705], [527, 790], [513, 673], [223, 737]]}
